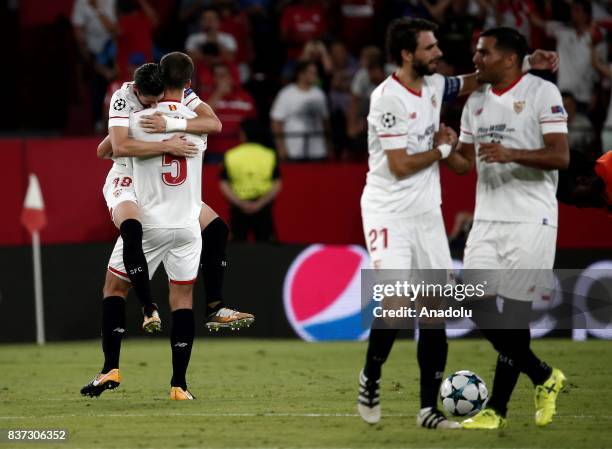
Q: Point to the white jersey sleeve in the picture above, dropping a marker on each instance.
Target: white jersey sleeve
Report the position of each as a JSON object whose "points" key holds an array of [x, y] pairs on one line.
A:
{"points": [[551, 113], [119, 110], [191, 99], [389, 118], [467, 132]]}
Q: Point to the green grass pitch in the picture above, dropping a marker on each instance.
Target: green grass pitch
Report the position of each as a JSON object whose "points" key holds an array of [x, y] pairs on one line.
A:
{"points": [[282, 394]]}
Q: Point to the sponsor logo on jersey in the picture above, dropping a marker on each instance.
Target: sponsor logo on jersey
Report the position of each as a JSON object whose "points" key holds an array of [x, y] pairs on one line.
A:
{"points": [[322, 293], [518, 106]]}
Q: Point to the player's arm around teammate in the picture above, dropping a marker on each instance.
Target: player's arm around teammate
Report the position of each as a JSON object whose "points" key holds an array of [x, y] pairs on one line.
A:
{"points": [[554, 155], [538, 60]]}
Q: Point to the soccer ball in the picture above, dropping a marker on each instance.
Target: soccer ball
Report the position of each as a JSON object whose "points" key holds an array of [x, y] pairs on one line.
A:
{"points": [[463, 393]]}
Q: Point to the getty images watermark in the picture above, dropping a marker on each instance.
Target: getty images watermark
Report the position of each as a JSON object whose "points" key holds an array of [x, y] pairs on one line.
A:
{"points": [[541, 299], [398, 299]]}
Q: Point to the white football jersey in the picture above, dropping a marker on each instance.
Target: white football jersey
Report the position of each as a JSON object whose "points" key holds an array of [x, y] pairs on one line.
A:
{"points": [[517, 117], [124, 101], [401, 118], [168, 188]]}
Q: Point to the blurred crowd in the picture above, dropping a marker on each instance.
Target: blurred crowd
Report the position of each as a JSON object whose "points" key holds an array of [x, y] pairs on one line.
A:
{"points": [[304, 69]]}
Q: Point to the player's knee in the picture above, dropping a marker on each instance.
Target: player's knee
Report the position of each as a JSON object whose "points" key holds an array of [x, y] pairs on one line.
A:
{"points": [[114, 286], [181, 296]]}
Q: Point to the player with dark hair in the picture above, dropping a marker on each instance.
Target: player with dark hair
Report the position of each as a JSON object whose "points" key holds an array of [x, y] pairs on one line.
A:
{"points": [[401, 213], [514, 130], [170, 208], [124, 205]]}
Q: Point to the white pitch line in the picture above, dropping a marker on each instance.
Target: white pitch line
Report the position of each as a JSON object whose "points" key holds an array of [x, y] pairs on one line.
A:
{"points": [[260, 415]]}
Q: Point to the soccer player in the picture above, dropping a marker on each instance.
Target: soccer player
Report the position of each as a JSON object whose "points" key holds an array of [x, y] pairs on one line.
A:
{"points": [[400, 204], [123, 204], [169, 190], [514, 130]]}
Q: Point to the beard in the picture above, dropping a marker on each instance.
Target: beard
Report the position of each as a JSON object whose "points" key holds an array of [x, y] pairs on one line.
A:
{"points": [[422, 68]]}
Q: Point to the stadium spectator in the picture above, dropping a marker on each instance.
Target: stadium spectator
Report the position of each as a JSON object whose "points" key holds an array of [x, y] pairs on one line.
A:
{"points": [[250, 180], [190, 13], [95, 24], [300, 22], [300, 118], [580, 132], [136, 22], [236, 23], [460, 21], [512, 14], [370, 75], [344, 68], [316, 52], [605, 69], [204, 77], [210, 31], [232, 104], [356, 20], [576, 73]]}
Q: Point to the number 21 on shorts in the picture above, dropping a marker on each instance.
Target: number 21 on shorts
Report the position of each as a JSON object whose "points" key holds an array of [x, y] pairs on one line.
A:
{"points": [[378, 239]]}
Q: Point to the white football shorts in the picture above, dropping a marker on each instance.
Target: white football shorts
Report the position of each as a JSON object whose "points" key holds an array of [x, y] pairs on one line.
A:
{"points": [[409, 243], [178, 248], [515, 259], [118, 187]]}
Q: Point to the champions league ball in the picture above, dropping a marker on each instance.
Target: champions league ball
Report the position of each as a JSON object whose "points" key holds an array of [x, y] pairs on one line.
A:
{"points": [[463, 393]]}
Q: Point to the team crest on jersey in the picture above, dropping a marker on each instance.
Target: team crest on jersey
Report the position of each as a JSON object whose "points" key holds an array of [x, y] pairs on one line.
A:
{"points": [[117, 192], [478, 112], [172, 107], [412, 116], [388, 120], [434, 101], [518, 106], [119, 104]]}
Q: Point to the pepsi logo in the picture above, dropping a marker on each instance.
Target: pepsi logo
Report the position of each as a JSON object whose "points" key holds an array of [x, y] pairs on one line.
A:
{"points": [[322, 293]]}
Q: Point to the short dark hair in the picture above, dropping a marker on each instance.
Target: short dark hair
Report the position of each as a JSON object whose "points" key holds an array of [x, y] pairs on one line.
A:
{"points": [[301, 67], [508, 39], [147, 79], [402, 34], [176, 69], [254, 131], [376, 62]]}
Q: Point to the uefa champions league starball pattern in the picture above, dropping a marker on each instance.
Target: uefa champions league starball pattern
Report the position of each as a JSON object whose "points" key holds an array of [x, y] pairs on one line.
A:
{"points": [[463, 393]]}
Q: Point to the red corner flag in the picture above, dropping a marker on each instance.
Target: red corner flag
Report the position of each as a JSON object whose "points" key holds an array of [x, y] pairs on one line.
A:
{"points": [[33, 214]]}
